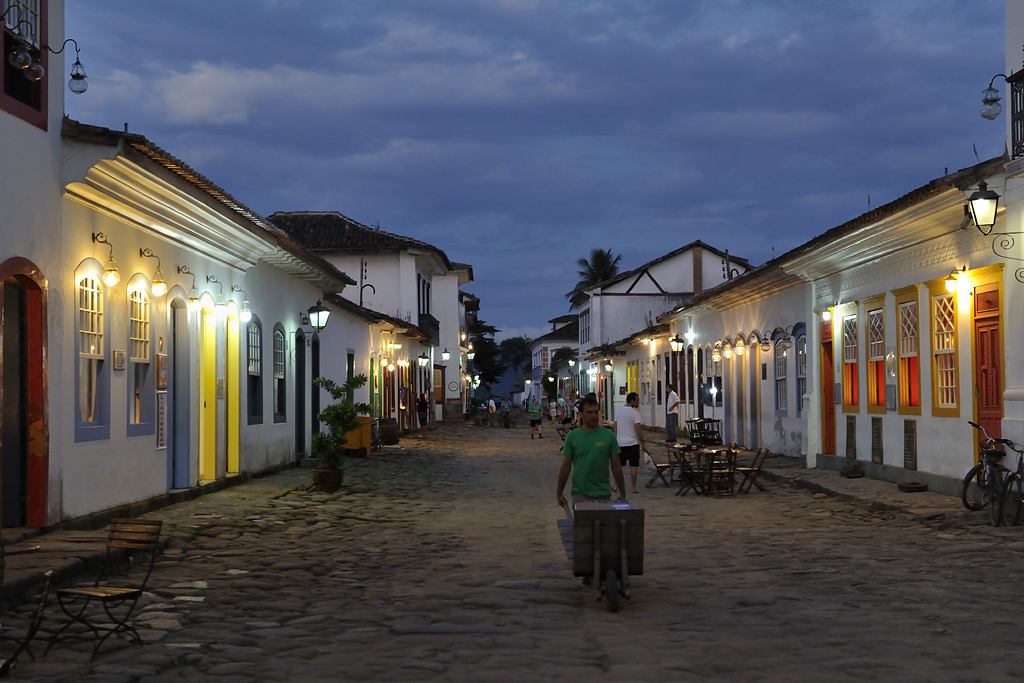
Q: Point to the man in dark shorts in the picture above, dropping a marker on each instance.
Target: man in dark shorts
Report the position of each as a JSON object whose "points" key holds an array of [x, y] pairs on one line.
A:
{"points": [[630, 435], [536, 416]]}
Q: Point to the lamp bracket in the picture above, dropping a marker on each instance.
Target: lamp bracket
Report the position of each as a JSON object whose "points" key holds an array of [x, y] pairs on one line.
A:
{"points": [[100, 238], [148, 253]]}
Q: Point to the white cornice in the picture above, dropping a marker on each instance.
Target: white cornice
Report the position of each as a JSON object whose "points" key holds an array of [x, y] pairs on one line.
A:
{"points": [[125, 191]]}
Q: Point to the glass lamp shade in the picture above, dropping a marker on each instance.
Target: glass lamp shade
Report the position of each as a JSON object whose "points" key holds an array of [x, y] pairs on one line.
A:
{"points": [[990, 107], [984, 203], [471, 355], [110, 275], [445, 355], [193, 299], [245, 315], [716, 356], [740, 347], [318, 315], [20, 57], [421, 360], [607, 367], [572, 362], [676, 344], [159, 286], [77, 83], [34, 72], [951, 282]]}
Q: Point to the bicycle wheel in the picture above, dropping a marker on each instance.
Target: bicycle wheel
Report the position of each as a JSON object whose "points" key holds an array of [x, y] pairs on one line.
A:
{"points": [[972, 490], [995, 498], [1013, 500]]}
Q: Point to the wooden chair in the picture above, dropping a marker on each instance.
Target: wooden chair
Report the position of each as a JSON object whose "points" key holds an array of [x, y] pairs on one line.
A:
{"points": [[660, 465], [117, 600], [750, 474], [24, 643], [722, 473], [693, 471]]}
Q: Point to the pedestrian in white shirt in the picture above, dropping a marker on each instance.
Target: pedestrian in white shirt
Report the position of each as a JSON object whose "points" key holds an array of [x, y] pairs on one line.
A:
{"points": [[671, 414], [630, 435]]}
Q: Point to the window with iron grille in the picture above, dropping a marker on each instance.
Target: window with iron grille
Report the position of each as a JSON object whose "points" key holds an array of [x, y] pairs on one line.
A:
{"points": [[850, 379], [254, 374], [801, 370], [138, 326], [781, 403], [944, 347], [909, 378], [140, 398], [90, 346], [876, 358], [280, 393]]}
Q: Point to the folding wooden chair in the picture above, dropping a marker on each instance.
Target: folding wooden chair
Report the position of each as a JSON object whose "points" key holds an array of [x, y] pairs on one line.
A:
{"points": [[660, 465], [117, 600], [750, 474], [24, 643]]}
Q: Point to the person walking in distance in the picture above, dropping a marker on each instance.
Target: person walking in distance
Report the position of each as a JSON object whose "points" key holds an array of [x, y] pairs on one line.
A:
{"points": [[491, 409], [506, 412], [536, 417], [423, 412], [671, 414], [589, 451], [630, 435]]}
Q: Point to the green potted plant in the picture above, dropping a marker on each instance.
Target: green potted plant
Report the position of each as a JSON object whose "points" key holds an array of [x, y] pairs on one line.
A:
{"points": [[337, 420]]}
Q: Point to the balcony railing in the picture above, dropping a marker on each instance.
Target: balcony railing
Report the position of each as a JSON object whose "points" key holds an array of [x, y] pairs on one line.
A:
{"points": [[1015, 84]]}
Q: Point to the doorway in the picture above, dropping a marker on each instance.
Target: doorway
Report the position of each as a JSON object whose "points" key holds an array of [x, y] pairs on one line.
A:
{"points": [[178, 403], [987, 359], [300, 395], [828, 403], [23, 422]]}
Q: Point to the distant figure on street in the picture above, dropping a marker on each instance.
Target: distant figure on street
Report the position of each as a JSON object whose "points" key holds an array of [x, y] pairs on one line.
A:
{"points": [[630, 436], [423, 412], [671, 413], [568, 411], [589, 451], [491, 409], [553, 410], [506, 412], [536, 417]]}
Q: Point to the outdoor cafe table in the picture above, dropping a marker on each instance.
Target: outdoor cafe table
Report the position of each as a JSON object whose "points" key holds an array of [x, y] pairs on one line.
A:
{"points": [[696, 467]]}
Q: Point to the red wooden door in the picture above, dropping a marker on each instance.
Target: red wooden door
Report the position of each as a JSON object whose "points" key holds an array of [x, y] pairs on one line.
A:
{"points": [[989, 375], [828, 403]]}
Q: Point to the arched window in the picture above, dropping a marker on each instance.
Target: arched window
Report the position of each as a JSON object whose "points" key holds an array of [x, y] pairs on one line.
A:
{"points": [[254, 371], [801, 371], [781, 403], [141, 392], [92, 380], [280, 391]]}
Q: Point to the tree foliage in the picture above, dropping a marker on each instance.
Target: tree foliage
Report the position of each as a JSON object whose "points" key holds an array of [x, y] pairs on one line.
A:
{"points": [[486, 361], [515, 354], [602, 265]]}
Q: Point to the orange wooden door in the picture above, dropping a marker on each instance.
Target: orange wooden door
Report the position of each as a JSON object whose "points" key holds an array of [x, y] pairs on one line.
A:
{"points": [[828, 403], [988, 371]]}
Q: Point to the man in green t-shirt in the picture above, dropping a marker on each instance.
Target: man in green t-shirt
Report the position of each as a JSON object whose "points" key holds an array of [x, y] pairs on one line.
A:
{"points": [[589, 451], [536, 415]]}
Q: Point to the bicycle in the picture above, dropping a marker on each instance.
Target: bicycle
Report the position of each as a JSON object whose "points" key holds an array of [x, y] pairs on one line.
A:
{"points": [[376, 443], [984, 484], [1013, 490]]}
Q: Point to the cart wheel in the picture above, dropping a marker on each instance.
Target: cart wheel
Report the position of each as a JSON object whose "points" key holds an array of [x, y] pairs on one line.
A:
{"points": [[611, 589]]}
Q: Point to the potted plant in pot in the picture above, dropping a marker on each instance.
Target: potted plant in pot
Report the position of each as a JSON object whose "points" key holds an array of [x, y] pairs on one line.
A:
{"points": [[337, 420]]}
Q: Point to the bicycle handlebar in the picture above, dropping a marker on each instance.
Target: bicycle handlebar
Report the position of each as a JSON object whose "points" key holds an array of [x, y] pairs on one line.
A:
{"points": [[990, 439]]}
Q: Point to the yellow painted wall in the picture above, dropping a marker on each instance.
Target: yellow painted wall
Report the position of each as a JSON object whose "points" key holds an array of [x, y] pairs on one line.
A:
{"points": [[208, 395], [232, 403]]}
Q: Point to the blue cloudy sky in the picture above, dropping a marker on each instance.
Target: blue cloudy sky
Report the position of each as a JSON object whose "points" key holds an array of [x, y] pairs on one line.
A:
{"points": [[516, 135]]}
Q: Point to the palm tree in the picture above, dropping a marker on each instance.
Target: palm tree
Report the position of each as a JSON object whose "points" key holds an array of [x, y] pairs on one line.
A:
{"points": [[601, 266]]}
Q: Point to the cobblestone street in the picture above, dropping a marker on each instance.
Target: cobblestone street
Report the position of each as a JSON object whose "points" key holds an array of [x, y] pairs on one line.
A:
{"points": [[440, 560]]}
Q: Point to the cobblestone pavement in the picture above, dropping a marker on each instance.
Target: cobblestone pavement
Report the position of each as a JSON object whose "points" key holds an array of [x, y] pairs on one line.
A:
{"points": [[440, 560]]}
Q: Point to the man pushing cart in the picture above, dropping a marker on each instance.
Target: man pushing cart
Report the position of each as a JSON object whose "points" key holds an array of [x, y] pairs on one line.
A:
{"points": [[611, 534]]}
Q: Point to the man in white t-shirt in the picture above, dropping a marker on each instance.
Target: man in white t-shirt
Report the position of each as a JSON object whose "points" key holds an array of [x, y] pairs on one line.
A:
{"points": [[490, 411], [671, 414], [629, 434]]}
